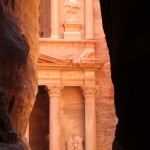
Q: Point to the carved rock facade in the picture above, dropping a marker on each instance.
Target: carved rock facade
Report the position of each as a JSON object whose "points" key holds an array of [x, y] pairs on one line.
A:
{"points": [[74, 77]]}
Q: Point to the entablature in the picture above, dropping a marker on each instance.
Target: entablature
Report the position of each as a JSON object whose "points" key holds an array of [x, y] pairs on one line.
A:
{"points": [[69, 50], [54, 71]]}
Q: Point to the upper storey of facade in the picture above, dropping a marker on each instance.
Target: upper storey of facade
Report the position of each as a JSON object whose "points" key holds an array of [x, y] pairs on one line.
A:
{"points": [[66, 35], [66, 19]]}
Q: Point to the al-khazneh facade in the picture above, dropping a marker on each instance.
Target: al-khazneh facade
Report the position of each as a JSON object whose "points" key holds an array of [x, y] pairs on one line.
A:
{"points": [[70, 47]]}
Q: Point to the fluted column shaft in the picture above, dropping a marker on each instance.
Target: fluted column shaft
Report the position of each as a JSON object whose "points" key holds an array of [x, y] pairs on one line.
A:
{"points": [[54, 117], [55, 19], [89, 19], [90, 117]]}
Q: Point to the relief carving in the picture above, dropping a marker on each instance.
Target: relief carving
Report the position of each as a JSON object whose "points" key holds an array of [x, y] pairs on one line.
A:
{"points": [[72, 8], [90, 91], [54, 90], [75, 143], [88, 53], [89, 74], [70, 144]]}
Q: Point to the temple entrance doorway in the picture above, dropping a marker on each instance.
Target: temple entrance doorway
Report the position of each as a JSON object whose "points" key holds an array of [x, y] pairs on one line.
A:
{"points": [[39, 121]]}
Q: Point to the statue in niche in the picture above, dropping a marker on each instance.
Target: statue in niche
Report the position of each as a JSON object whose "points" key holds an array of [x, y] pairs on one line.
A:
{"points": [[78, 143], [73, 7], [75, 143], [70, 144]]}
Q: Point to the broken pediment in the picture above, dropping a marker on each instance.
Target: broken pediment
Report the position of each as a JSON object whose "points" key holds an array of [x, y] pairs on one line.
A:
{"points": [[44, 59], [48, 61]]}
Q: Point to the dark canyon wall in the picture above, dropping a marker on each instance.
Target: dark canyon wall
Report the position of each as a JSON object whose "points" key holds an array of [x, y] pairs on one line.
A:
{"points": [[127, 28]]}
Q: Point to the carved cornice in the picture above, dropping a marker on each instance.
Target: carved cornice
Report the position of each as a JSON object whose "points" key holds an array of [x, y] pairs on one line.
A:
{"points": [[65, 68], [89, 91], [51, 63], [67, 43], [54, 90], [58, 68], [90, 64]]}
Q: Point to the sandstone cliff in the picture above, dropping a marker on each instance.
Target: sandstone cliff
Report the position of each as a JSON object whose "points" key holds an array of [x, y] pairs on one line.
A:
{"points": [[19, 79]]}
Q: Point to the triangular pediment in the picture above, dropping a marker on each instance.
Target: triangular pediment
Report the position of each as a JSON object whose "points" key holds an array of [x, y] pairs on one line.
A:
{"points": [[48, 61], [44, 59]]}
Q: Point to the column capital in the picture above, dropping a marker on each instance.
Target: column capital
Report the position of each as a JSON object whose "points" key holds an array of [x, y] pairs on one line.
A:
{"points": [[54, 90], [89, 91]]}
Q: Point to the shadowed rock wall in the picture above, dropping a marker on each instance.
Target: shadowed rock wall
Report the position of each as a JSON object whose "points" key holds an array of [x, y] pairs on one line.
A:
{"points": [[19, 79], [127, 28]]}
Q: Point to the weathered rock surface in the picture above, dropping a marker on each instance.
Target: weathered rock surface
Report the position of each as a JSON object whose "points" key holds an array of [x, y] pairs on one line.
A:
{"points": [[13, 45], [105, 114], [19, 80]]}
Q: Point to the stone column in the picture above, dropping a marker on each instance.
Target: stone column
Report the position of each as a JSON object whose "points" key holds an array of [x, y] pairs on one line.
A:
{"points": [[89, 93], [55, 19], [89, 19], [54, 117]]}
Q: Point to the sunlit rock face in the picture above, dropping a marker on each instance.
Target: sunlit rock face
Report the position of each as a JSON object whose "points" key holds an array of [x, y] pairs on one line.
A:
{"points": [[19, 52], [127, 28]]}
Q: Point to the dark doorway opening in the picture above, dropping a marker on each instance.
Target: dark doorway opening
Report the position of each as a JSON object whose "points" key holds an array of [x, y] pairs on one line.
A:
{"points": [[39, 121]]}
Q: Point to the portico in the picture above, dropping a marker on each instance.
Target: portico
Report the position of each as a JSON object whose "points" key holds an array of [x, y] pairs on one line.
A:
{"points": [[56, 73]]}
